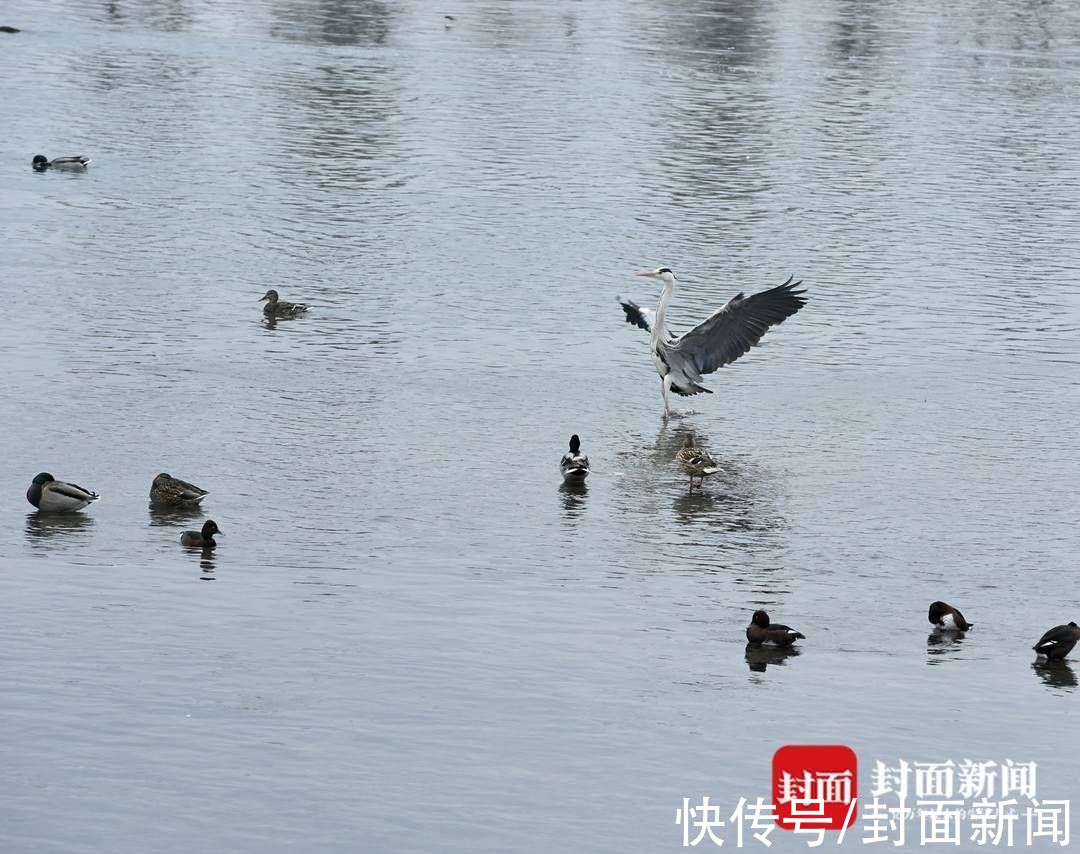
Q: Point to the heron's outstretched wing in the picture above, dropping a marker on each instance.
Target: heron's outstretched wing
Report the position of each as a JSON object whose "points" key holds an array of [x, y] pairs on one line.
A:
{"points": [[635, 314], [737, 327], [640, 317]]}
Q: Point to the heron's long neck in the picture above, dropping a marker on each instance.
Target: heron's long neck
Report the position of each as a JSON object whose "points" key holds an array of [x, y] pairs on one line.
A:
{"points": [[659, 322]]}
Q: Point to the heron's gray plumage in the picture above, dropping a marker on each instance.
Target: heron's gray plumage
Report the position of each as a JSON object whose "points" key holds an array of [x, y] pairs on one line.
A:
{"points": [[728, 334], [733, 330]]}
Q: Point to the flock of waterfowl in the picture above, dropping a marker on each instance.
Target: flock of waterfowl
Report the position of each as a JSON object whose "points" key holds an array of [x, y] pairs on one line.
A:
{"points": [[721, 339], [50, 495], [1055, 644], [680, 360]]}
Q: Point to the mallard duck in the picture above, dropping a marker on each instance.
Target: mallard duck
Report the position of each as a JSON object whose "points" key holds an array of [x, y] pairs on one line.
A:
{"points": [[762, 630], [169, 491], [574, 465], [945, 617], [203, 539], [1058, 642], [76, 163], [695, 461], [54, 496], [278, 308]]}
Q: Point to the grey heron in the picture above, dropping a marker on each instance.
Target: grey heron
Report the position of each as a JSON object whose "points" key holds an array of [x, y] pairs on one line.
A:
{"points": [[717, 341], [574, 465]]}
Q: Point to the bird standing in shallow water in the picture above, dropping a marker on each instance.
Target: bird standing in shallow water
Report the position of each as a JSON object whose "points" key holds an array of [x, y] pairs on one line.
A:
{"points": [[50, 495], [574, 465], [721, 339], [72, 164], [762, 630], [695, 461], [201, 539], [945, 617], [169, 491], [1058, 642], [279, 308]]}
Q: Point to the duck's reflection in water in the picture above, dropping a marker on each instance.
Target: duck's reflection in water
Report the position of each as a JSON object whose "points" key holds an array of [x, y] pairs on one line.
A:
{"points": [[573, 494], [941, 646], [43, 528], [164, 517], [206, 564], [759, 656], [733, 499], [1056, 674]]}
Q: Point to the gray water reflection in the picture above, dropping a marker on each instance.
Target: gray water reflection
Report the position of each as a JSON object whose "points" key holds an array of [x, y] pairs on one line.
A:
{"points": [[942, 647], [334, 22], [574, 497], [207, 564], [759, 658], [50, 530], [174, 517], [1055, 674]]}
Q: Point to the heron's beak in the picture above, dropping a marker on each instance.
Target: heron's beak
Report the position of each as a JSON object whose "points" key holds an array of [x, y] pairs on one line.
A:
{"points": [[650, 273]]}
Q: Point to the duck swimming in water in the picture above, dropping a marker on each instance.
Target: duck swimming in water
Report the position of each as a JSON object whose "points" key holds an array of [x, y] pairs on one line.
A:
{"points": [[763, 630], [50, 495], [1058, 642], [946, 618], [574, 465], [276, 307], [73, 164], [169, 491], [203, 539]]}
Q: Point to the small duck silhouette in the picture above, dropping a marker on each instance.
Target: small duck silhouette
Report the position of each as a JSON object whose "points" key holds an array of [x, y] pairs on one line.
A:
{"points": [[203, 539], [276, 307], [73, 164]]}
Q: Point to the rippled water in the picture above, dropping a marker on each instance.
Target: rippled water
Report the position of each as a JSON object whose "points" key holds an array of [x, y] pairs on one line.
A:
{"points": [[414, 640]]}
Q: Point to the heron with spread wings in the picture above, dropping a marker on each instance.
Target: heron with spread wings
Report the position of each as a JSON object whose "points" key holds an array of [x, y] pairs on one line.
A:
{"points": [[682, 360]]}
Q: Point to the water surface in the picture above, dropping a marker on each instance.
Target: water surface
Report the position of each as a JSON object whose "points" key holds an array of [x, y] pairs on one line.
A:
{"points": [[410, 638]]}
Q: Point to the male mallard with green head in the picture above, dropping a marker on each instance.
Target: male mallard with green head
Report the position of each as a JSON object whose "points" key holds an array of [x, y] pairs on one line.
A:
{"points": [[72, 164], [169, 491], [279, 308], [50, 495], [696, 462]]}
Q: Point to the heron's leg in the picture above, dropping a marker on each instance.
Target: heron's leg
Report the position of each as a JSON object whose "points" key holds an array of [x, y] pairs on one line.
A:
{"points": [[666, 384]]}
